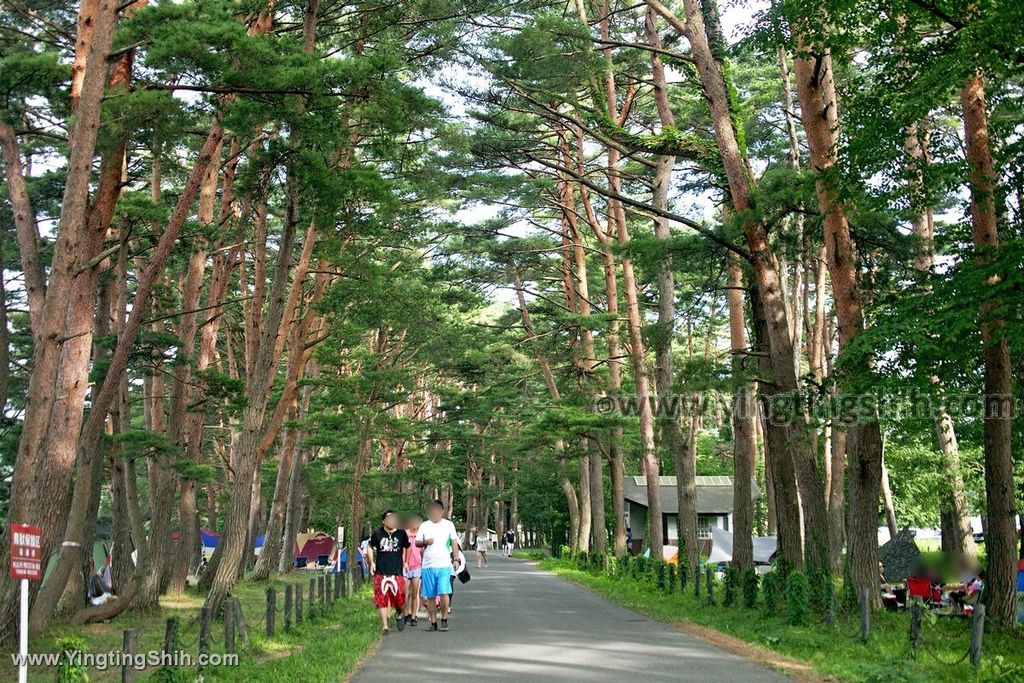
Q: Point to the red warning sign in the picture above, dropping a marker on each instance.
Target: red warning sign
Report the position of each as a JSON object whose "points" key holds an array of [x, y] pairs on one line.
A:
{"points": [[26, 552]]}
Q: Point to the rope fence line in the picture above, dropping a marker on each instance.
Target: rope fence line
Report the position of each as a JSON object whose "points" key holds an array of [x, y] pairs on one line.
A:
{"points": [[927, 649], [324, 592], [855, 636], [834, 618]]}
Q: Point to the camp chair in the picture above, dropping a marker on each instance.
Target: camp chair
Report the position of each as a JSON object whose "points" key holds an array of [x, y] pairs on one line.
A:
{"points": [[920, 587]]}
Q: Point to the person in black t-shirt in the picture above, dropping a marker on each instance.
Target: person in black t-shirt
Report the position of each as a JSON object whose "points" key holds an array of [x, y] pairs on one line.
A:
{"points": [[386, 555]]}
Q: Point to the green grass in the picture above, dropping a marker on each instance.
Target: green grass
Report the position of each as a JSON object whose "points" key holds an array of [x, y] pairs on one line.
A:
{"points": [[325, 649], [885, 657], [529, 554]]}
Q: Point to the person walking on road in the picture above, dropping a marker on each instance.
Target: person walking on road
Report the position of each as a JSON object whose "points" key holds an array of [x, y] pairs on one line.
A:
{"points": [[482, 541], [438, 539], [386, 558], [510, 542], [413, 558]]}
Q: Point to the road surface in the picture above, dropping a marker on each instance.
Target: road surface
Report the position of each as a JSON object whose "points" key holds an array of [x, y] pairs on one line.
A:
{"points": [[514, 622]]}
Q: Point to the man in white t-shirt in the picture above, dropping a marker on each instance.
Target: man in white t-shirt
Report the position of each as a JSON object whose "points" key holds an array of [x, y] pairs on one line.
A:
{"points": [[439, 540]]}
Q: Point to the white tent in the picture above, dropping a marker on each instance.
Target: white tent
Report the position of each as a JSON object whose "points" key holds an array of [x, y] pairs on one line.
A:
{"points": [[721, 547]]}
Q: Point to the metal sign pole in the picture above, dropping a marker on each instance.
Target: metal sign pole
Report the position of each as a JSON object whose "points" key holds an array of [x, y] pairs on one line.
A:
{"points": [[23, 647]]}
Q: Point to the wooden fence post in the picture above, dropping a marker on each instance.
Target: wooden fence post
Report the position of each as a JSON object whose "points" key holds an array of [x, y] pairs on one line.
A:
{"points": [[915, 625], [320, 592], [710, 578], [229, 626], [865, 613], [171, 636], [327, 590], [287, 608], [130, 648], [977, 633], [312, 597], [337, 585], [204, 635], [243, 632], [298, 604], [271, 611]]}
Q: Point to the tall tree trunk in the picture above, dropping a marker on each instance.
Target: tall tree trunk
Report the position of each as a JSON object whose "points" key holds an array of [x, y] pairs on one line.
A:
{"points": [[586, 520], [56, 394], [26, 231], [298, 357], [571, 500], [1000, 534], [599, 525], [818, 110], [890, 509], [765, 265], [188, 327], [954, 516], [223, 262], [837, 496], [668, 419], [228, 556], [293, 511], [743, 413], [614, 455], [92, 432], [777, 462]]}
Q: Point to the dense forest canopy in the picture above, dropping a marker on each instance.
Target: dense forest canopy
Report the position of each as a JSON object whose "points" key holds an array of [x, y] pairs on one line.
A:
{"points": [[277, 265]]}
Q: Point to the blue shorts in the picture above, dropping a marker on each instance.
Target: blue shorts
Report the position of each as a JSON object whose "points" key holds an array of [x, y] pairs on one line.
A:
{"points": [[436, 581]]}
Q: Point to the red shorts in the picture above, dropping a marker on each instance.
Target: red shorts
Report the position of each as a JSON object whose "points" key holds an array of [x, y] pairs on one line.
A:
{"points": [[388, 591]]}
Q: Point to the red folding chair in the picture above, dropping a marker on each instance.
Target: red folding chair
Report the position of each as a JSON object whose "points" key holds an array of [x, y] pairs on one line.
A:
{"points": [[920, 587]]}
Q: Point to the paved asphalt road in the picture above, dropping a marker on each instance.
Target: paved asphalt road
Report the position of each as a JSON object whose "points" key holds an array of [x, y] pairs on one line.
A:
{"points": [[514, 622]]}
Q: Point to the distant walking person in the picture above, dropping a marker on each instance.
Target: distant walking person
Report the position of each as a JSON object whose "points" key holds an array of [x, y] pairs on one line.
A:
{"points": [[439, 539], [413, 558], [482, 541], [510, 541], [386, 557]]}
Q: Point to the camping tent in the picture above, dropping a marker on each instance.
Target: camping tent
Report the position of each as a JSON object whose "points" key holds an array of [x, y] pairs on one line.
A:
{"points": [[314, 546], [258, 545], [721, 547], [210, 540]]}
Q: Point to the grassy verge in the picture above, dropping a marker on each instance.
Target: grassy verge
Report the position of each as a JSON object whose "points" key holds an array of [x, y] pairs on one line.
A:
{"points": [[324, 649], [838, 652], [530, 554]]}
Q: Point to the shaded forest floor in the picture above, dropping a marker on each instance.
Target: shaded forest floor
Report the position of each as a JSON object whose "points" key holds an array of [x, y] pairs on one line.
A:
{"points": [[838, 653], [324, 649]]}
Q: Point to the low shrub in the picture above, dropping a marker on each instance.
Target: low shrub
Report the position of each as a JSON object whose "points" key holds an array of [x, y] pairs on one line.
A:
{"points": [[672, 580], [771, 591], [732, 584], [582, 561], [660, 575], [750, 584], [68, 671], [821, 589], [797, 598], [639, 568]]}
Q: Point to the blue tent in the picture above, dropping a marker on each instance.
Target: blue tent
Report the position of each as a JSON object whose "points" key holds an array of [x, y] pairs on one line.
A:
{"points": [[209, 538]]}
